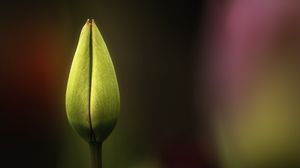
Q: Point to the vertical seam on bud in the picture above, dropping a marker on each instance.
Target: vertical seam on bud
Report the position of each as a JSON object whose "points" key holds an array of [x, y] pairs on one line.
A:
{"points": [[92, 135]]}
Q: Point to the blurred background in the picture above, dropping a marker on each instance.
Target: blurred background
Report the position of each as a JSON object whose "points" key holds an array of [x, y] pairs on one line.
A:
{"points": [[203, 84], [155, 47]]}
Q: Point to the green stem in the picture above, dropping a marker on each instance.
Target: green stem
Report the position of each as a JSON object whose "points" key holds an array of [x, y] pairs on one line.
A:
{"points": [[96, 155]]}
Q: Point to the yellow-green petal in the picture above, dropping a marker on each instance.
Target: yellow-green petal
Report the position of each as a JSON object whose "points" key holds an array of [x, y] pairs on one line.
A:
{"points": [[92, 98]]}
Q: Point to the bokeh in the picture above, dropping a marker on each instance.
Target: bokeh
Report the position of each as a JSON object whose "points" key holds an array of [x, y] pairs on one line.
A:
{"points": [[203, 84], [253, 70]]}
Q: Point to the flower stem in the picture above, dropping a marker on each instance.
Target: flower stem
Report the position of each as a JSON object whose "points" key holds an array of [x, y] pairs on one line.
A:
{"points": [[96, 155]]}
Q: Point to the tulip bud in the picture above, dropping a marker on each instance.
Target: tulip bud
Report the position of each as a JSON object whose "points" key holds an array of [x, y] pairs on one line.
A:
{"points": [[92, 96]]}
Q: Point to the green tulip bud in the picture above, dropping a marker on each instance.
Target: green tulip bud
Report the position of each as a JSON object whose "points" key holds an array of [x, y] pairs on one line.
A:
{"points": [[92, 97]]}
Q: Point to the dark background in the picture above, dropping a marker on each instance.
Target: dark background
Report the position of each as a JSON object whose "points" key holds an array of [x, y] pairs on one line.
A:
{"points": [[156, 47]]}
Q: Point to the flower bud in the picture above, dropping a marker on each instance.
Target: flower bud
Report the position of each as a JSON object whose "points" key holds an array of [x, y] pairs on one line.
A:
{"points": [[92, 96]]}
